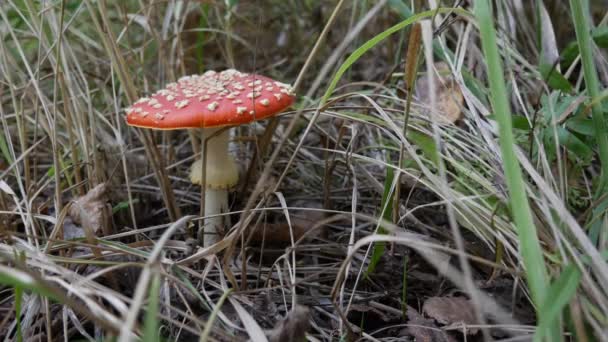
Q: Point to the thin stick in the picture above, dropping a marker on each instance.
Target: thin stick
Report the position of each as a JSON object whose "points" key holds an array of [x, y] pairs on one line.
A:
{"points": [[411, 69]]}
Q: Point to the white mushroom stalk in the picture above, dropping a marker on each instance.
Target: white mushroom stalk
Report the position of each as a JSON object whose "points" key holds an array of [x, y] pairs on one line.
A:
{"points": [[220, 174]]}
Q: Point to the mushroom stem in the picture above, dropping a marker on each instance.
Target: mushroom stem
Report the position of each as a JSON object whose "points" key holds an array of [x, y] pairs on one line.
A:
{"points": [[221, 173], [216, 202]]}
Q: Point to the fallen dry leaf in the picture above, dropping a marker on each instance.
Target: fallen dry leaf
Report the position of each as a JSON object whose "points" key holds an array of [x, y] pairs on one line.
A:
{"points": [[93, 214], [293, 327], [424, 330], [454, 311], [276, 233], [91, 210], [302, 221], [448, 95]]}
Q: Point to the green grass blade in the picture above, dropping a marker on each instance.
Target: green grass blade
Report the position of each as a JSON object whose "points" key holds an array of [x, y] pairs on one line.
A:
{"points": [[19, 279], [529, 244], [386, 204], [559, 295], [380, 37], [205, 335], [151, 320], [583, 36]]}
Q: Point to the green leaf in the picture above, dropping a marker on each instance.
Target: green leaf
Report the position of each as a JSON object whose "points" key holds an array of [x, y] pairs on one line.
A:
{"points": [[426, 144], [600, 37], [574, 144], [554, 78], [558, 296], [581, 126], [569, 54], [475, 86]]}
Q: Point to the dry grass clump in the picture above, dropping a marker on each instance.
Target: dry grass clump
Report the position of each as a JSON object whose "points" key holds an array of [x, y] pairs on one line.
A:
{"points": [[374, 208]]}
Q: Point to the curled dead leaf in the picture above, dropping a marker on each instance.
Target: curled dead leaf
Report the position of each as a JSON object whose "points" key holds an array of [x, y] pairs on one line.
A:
{"points": [[454, 311], [424, 330], [448, 94], [91, 210]]}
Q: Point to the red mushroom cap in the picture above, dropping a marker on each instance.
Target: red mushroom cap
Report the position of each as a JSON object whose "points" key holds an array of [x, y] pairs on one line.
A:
{"points": [[212, 99]]}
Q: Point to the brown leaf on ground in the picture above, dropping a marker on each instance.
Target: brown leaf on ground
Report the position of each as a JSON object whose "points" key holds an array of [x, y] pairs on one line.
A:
{"points": [[276, 233], [424, 330], [293, 327], [302, 221], [91, 210], [454, 311], [448, 95]]}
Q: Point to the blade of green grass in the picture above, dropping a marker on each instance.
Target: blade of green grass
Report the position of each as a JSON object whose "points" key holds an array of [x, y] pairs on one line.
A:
{"points": [[554, 78], [560, 292], [530, 248], [380, 37], [386, 204], [151, 320], [18, 279], [582, 28], [205, 335]]}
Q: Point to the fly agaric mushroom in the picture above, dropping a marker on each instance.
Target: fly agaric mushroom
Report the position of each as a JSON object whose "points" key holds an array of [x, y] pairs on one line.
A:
{"points": [[212, 101]]}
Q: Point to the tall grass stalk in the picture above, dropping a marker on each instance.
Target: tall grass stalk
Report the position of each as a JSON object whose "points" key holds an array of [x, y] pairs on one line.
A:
{"points": [[529, 244], [55, 135], [585, 43]]}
